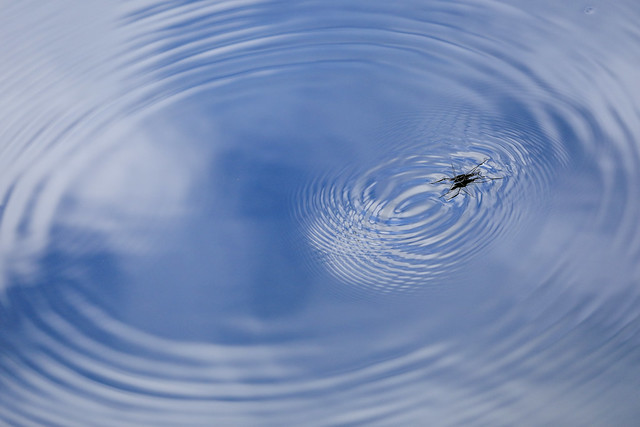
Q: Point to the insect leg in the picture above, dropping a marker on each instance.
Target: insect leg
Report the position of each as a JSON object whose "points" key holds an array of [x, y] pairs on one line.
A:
{"points": [[440, 180], [478, 165], [457, 192], [488, 178], [447, 192]]}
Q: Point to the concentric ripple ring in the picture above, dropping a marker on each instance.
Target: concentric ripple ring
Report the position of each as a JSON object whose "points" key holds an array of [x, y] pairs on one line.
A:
{"points": [[391, 228]]}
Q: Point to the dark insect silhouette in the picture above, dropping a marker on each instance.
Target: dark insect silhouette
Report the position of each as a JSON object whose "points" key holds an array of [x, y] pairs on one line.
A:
{"points": [[461, 181]]}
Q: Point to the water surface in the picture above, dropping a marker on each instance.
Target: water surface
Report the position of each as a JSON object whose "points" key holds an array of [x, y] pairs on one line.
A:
{"points": [[224, 213]]}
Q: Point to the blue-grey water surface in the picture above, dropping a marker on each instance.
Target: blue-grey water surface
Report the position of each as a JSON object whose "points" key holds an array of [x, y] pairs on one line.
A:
{"points": [[223, 213]]}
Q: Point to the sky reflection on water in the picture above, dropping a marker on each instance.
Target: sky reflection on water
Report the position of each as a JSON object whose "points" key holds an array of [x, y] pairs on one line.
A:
{"points": [[220, 213]]}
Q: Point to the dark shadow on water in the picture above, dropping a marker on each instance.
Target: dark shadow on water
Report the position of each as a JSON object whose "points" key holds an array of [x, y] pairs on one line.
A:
{"points": [[258, 190]]}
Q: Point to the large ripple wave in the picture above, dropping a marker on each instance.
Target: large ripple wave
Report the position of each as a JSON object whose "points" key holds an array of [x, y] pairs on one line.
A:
{"points": [[96, 183], [390, 228]]}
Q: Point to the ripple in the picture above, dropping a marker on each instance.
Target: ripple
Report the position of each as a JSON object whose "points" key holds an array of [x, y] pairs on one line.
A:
{"points": [[391, 229], [74, 362], [91, 363], [157, 169]]}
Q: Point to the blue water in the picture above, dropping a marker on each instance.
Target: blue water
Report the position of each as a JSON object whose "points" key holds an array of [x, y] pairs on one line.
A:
{"points": [[226, 213]]}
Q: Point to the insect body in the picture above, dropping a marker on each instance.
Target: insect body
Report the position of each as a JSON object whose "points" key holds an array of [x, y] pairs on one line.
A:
{"points": [[461, 181]]}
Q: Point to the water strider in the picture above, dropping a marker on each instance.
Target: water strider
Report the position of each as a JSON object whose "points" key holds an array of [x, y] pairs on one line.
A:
{"points": [[462, 180]]}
